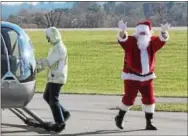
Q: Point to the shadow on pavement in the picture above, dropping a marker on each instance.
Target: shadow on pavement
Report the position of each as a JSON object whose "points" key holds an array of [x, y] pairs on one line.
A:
{"points": [[42, 131], [101, 132], [25, 127]]}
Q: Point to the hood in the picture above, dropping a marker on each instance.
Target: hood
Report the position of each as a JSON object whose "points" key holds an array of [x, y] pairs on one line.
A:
{"points": [[53, 35]]}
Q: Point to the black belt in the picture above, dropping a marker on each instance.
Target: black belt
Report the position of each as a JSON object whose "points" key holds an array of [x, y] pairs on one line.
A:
{"points": [[138, 74]]}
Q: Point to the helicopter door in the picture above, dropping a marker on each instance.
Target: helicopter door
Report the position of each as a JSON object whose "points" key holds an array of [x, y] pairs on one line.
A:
{"points": [[17, 78], [9, 51]]}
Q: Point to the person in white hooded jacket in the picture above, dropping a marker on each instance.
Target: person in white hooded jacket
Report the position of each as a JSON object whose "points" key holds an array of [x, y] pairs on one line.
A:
{"points": [[57, 64]]}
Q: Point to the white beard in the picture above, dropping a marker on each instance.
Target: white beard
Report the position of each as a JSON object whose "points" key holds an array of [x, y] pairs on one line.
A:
{"points": [[143, 41]]}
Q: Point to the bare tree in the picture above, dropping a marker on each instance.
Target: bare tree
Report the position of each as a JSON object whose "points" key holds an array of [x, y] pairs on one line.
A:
{"points": [[53, 17], [161, 10], [39, 19], [92, 14], [160, 16]]}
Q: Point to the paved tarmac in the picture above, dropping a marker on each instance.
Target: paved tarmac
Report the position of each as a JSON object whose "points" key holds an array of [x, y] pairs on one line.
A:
{"points": [[94, 115]]}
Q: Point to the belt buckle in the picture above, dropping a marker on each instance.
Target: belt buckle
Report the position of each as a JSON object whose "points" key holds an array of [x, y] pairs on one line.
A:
{"points": [[146, 74]]}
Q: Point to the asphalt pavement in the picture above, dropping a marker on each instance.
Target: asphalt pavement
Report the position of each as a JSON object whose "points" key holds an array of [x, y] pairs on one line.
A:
{"points": [[94, 115]]}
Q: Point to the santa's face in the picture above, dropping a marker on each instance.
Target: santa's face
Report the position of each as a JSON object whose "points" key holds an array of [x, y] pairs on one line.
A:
{"points": [[143, 35]]}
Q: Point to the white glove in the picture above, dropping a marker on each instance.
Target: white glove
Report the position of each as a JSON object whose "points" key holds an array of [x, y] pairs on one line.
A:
{"points": [[43, 62], [165, 27], [122, 25], [39, 68]]}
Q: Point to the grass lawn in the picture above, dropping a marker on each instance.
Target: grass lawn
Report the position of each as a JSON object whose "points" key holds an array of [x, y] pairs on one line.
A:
{"points": [[169, 107], [161, 107], [96, 61]]}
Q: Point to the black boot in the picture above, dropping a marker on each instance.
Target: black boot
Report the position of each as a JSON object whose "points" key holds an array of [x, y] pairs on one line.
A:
{"points": [[66, 115], [58, 127], [149, 125], [48, 125], [119, 119]]}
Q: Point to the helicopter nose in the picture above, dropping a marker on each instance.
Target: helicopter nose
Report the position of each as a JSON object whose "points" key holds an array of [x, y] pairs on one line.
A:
{"points": [[13, 84], [5, 84], [9, 84], [15, 94]]}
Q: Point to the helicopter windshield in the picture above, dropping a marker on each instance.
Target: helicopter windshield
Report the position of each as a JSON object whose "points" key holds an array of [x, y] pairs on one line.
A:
{"points": [[17, 53]]}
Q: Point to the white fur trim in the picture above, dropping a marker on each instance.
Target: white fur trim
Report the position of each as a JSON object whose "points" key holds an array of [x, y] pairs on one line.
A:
{"points": [[144, 61], [143, 28], [124, 107], [148, 108], [122, 39], [130, 76], [162, 38]]}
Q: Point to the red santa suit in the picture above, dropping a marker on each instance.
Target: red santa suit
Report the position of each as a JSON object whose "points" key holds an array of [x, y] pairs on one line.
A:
{"points": [[139, 65]]}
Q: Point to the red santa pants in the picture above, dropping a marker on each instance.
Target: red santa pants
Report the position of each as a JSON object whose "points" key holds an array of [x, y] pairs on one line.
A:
{"points": [[131, 89]]}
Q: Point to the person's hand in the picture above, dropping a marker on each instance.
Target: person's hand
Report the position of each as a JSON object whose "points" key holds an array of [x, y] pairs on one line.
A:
{"points": [[42, 62], [165, 27], [39, 61], [122, 26], [39, 68]]}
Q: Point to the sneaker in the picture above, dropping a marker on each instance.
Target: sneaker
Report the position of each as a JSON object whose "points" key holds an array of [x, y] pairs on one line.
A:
{"points": [[58, 127], [48, 125]]}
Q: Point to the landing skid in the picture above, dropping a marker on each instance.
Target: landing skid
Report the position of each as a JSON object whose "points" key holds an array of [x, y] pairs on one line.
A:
{"points": [[34, 120]]}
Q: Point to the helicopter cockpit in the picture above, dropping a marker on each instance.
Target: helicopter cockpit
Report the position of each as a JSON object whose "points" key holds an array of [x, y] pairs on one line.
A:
{"points": [[18, 66], [18, 71]]}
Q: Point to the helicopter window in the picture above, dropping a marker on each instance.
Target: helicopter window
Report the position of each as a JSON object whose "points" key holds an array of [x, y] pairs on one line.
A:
{"points": [[11, 41], [4, 64], [20, 54], [2, 46], [14, 43], [6, 39]]}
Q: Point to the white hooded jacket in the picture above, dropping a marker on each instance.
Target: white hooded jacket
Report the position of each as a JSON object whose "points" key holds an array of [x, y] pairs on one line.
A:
{"points": [[57, 60]]}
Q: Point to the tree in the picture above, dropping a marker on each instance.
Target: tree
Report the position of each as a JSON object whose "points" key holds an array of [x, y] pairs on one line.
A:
{"points": [[109, 7], [93, 14], [161, 10], [94, 17], [53, 17], [38, 18], [13, 19]]}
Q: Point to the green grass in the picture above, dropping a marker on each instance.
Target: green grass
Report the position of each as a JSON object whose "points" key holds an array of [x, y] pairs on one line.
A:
{"points": [[96, 60], [169, 107]]}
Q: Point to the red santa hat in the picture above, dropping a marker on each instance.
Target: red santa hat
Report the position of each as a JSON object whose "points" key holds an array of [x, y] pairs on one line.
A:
{"points": [[144, 26], [146, 22]]}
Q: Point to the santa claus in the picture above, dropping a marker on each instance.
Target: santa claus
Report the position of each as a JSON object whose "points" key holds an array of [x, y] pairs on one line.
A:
{"points": [[139, 65]]}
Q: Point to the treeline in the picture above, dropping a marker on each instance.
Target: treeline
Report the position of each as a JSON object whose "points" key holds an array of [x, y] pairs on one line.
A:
{"points": [[94, 15]]}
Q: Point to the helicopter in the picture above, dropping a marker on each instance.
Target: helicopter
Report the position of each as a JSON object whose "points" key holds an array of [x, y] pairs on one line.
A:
{"points": [[18, 73]]}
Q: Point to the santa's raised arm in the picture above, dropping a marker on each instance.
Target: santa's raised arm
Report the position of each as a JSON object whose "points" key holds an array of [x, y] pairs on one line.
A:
{"points": [[123, 34], [164, 36]]}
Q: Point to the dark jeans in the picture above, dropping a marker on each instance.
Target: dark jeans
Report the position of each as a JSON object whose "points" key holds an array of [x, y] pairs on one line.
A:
{"points": [[51, 96]]}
